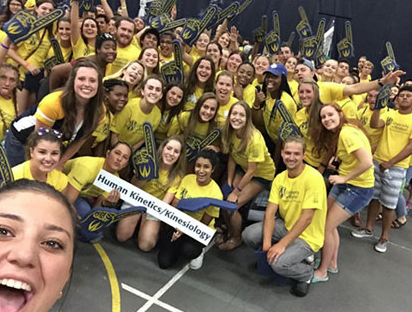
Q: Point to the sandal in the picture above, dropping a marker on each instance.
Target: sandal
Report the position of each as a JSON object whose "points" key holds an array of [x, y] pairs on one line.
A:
{"points": [[220, 238], [379, 217], [396, 224], [230, 244]]}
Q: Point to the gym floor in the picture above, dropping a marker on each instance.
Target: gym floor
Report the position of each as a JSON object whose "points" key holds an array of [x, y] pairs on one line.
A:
{"points": [[110, 276]]}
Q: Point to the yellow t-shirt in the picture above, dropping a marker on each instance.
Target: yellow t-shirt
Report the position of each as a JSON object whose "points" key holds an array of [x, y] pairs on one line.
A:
{"points": [[249, 94], [396, 135], [193, 98], [7, 115], [55, 178], [330, 92], [194, 53], [80, 49], [82, 171], [124, 56], [50, 109], [128, 123], [351, 139], [294, 88], [359, 98], [256, 83], [256, 152], [223, 111], [103, 129], [348, 107], [190, 189], [158, 187], [67, 52], [364, 116], [302, 121], [306, 191], [272, 124]]}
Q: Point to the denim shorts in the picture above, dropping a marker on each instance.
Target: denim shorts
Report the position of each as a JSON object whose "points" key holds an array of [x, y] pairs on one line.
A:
{"points": [[265, 184], [351, 198]]}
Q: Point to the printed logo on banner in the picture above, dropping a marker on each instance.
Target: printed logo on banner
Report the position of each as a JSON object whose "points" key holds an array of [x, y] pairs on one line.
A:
{"points": [[159, 209]]}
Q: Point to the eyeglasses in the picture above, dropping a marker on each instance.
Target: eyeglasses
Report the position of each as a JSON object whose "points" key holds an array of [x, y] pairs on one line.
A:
{"points": [[43, 131]]}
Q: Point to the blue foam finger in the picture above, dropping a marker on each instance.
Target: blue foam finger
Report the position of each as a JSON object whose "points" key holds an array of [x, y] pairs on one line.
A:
{"points": [[200, 203]]}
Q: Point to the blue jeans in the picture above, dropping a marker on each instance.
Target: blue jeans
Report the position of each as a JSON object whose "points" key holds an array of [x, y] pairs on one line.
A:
{"points": [[14, 150], [289, 263], [351, 198]]}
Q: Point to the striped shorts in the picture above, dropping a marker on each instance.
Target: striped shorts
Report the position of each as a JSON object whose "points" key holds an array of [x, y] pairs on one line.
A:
{"points": [[388, 185]]}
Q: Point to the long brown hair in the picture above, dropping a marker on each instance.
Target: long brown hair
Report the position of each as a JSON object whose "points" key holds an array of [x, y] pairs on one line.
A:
{"points": [[327, 140], [94, 110], [246, 133], [192, 78], [179, 167]]}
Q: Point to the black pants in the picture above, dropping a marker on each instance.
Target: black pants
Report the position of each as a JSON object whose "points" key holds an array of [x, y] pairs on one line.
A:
{"points": [[169, 252]]}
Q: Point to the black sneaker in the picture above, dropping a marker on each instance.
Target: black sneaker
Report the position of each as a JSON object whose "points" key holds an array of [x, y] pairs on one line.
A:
{"points": [[300, 289]]}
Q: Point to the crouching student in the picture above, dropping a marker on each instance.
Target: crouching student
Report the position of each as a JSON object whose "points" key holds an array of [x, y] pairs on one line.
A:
{"points": [[299, 194], [82, 172], [174, 244]]}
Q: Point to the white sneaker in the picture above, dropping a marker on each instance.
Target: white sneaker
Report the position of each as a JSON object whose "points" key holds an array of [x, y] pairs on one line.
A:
{"points": [[197, 263], [381, 246]]}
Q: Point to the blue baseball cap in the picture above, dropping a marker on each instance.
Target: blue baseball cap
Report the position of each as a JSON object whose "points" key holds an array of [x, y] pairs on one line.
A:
{"points": [[277, 69]]}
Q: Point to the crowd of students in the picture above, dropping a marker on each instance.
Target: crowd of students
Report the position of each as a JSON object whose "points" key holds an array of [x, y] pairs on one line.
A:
{"points": [[61, 125]]}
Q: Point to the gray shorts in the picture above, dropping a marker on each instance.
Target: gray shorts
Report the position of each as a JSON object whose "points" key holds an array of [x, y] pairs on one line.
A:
{"points": [[388, 185], [148, 216]]}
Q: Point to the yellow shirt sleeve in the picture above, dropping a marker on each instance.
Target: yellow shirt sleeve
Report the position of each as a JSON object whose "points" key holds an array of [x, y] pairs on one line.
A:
{"points": [[50, 109], [330, 92], [80, 49], [7, 115]]}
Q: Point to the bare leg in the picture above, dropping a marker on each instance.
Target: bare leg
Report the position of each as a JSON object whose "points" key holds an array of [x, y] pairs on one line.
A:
{"points": [[125, 227], [336, 215], [387, 218], [148, 234], [373, 211]]}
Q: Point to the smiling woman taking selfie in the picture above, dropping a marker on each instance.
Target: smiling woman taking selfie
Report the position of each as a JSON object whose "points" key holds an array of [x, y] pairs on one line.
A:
{"points": [[36, 245]]}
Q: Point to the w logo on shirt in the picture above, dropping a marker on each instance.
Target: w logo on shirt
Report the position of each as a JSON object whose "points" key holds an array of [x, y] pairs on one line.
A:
{"points": [[389, 121]]}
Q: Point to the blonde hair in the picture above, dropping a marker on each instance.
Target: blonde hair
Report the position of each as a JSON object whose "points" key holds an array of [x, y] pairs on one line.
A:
{"points": [[119, 75]]}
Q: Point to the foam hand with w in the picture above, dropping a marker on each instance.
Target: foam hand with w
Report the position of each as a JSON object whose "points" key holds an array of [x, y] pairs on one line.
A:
{"points": [[229, 12], [24, 24], [195, 27], [389, 63], [288, 127], [382, 99], [144, 160], [195, 144], [158, 7], [172, 72], [260, 33], [272, 39], [92, 225], [303, 27], [197, 204], [345, 47]]}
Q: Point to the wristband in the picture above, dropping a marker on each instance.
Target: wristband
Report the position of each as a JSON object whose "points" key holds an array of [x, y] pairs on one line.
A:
{"points": [[4, 46], [124, 7], [255, 107], [380, 83]]}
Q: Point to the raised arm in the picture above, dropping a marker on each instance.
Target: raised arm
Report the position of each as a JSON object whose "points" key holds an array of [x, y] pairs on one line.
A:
{"points": [[108, 10], [74, 18]]}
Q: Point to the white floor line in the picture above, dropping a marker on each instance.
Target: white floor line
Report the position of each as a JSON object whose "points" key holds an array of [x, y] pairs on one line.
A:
{"points": [[169, 284], [147, 297], [377, 238]]}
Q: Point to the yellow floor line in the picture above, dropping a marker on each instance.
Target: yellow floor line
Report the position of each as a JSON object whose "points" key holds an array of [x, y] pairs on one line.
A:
{"points": [[114, 284]]}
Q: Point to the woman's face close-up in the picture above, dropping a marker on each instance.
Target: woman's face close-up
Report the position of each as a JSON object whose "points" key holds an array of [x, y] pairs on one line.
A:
{"points": [[152, 91], [214, 52], [133, 74], [204, 71], [233, 63], [208, 110], [202, 42], [90, 29], [86, 83], [44, 9], [117, 98], [203, 171], [118, 157], [174, 96], [224, 88], [330, 118], [36, 251], [150, 58], [245, 74], [109, 51], [306, 94], [224, 40], [63, 30], [45, 155], [237, 117], [8, 82], [171, 152], [14, 6], [261, 65]]}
